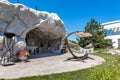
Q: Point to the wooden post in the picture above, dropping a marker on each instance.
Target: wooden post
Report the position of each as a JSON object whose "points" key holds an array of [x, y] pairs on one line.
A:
{"points": [[67, 44], [68, 47], [74, 56]]}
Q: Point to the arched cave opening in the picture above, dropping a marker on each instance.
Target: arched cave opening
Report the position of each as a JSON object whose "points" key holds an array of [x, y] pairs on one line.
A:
{"points": [[44, 40]]}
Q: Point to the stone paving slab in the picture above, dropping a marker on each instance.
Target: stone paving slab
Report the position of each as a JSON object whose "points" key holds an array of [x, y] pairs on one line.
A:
{"points": [[39, 65]]}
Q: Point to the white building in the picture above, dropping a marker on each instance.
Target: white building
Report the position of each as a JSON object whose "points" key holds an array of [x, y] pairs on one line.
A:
{"points": [[113, 34]]}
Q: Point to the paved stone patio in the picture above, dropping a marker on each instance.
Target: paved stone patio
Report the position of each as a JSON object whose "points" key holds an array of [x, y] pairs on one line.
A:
{"points": [[42, 64]]}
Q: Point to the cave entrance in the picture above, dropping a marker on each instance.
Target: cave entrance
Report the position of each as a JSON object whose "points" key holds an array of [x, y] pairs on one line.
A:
{"points": [[45, 41]]}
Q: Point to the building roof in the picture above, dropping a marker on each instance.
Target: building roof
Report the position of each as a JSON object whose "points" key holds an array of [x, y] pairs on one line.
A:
{"points": [[111, 22], [113, 25]]}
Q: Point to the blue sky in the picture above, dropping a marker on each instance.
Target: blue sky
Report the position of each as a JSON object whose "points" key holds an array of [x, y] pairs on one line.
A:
{"points": [[76, 13]]}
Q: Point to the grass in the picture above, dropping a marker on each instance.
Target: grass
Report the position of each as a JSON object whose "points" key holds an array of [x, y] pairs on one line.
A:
{"points": [[110, 70]]}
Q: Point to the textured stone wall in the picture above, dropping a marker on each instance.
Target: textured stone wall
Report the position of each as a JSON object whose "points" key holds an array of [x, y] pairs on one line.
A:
{"points": [[39, 26]]}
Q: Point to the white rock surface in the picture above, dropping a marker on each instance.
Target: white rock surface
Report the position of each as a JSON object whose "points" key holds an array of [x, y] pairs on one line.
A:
{"points": [[1, 42], [20, 19], [17, 46], [20, 45]]}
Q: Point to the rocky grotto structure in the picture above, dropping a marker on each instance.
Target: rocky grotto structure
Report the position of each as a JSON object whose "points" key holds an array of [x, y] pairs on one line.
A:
{"points": [[31, 27]]}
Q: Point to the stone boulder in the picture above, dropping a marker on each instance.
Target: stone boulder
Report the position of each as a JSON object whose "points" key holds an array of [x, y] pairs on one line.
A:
{"points": [[17, 45], [37, 28], [20, 19]]}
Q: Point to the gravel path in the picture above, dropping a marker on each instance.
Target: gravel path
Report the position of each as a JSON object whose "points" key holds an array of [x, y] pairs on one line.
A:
{"points": [[39, 65]]}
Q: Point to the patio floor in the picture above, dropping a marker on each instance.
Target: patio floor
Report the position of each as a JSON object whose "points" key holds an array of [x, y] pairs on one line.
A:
{"points": [[42, 64]]}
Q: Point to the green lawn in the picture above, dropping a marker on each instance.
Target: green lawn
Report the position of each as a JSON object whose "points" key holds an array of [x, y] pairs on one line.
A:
{"points": [[110, 70]]}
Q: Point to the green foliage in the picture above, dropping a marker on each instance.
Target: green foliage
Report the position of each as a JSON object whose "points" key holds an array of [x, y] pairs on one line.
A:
{"points": [[72, 44], [108, 71], [83, 41], [104, 74], [98, 33]]}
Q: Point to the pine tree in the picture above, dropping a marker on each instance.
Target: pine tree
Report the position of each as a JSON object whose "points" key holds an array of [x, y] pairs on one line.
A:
{"points": [[98, 33]]}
